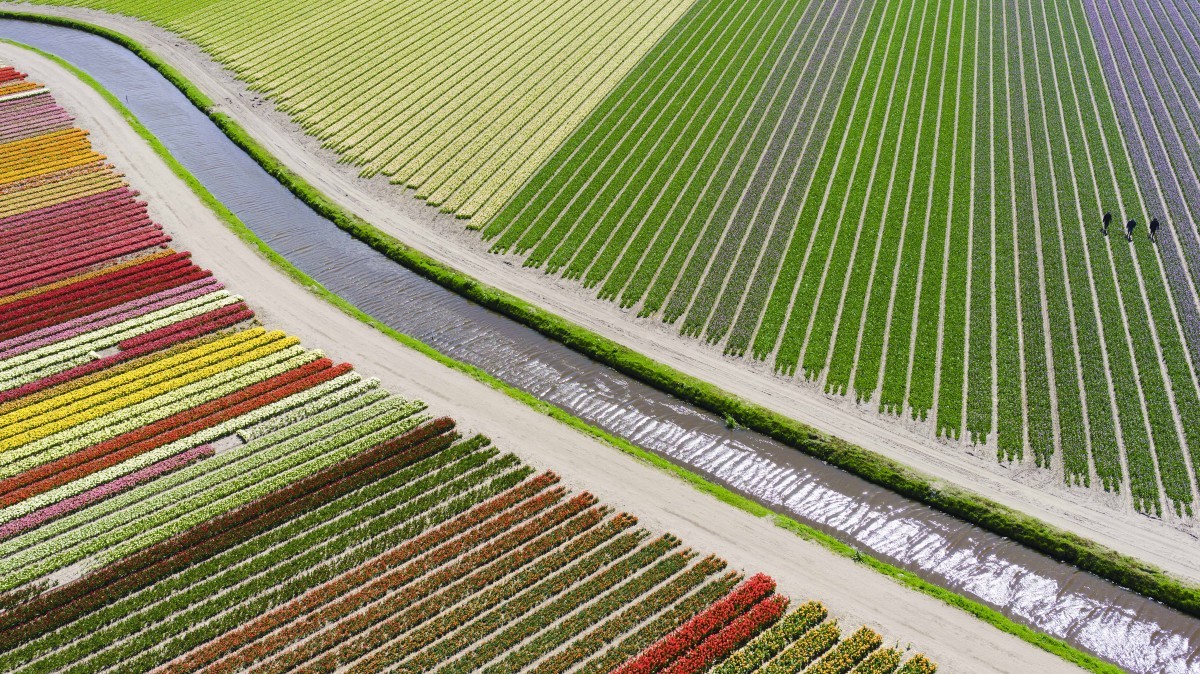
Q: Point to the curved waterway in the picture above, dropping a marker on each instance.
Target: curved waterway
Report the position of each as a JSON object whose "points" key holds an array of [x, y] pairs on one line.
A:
{"points": [[1117, 625]]}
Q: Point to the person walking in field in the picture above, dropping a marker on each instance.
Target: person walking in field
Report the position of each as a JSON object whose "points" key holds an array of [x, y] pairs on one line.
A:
{"points": [[1154, 229], [1107, 222], [1129, 229]]}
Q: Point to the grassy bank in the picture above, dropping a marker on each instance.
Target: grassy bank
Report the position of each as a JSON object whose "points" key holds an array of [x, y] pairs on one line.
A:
{"points": [[1056, 543]]}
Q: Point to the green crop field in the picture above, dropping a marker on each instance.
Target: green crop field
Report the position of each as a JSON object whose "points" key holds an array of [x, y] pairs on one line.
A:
{"points": [[899, 202]]}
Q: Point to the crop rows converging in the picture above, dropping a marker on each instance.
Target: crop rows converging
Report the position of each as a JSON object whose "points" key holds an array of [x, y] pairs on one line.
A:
{"points": [[459, 100], [904, 202], [182, 489]]}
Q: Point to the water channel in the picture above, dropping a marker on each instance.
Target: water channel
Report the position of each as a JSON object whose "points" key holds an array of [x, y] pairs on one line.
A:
{"points": [[1094, 615]]}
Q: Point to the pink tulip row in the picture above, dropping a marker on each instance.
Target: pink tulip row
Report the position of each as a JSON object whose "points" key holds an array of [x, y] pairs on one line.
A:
{"points": [[70, 211], [96, 299], [133, 310], [121, 484]]}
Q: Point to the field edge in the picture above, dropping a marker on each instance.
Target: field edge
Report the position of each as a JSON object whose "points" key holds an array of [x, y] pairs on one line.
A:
{"points": [[1056, 543]]}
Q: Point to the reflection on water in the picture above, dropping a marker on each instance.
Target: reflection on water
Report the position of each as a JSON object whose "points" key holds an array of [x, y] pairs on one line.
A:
{"points": [[1122, 627]]}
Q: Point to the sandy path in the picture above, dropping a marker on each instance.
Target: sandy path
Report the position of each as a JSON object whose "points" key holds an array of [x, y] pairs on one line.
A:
{"points": [[855, 594], [1087, 512]]}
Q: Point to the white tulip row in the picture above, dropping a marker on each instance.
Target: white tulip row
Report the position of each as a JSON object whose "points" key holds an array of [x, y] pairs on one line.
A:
{"points": [[576, 56], [133, 417], [47, 333], [346, 387], [303, 458], [205, 490], [489, 186], [159, 373], [43, 362], [181, 376], [147, 373], [288, 418], [95, 479], [128, 328]]}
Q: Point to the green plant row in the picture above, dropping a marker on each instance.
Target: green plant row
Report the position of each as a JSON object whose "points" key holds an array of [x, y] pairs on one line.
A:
{"points": [[496, 582], [993, 516], [623, 622], [109, 624], [169, 505], [630, 594], [662, 625], [773, 640], [646, 561], [276, 566], [806, 649], [786, 196]]}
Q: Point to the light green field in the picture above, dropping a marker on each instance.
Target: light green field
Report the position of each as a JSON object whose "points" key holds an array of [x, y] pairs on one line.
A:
{"points": [[461, 101]]}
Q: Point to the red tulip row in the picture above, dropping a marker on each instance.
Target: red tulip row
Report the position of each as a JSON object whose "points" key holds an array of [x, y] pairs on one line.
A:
{"points": [[50, 253], [632, 616], [110, 365], [77, 233], [47, 476], [473, 574], [54, 241], [354, 599], [592, 614], [98, 588], [217, 648], [10, 74], [545, 555], [66, 294], [107, 490], [670, 619], [217, 319], [693, 631], [547, 576], [98, 288], [135, 294], [345, 611], [64, 267], [720, 644]]}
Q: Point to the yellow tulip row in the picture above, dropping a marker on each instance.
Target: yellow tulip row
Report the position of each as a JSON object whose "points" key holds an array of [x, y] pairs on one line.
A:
{"points": [[126, 419], [123, 381], [119, 368], [61, 191], [53, 152], [31, 146], [84, 410]]}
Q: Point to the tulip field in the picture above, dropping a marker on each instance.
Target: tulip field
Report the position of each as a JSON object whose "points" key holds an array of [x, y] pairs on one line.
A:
{"points": [[184, 489]]}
